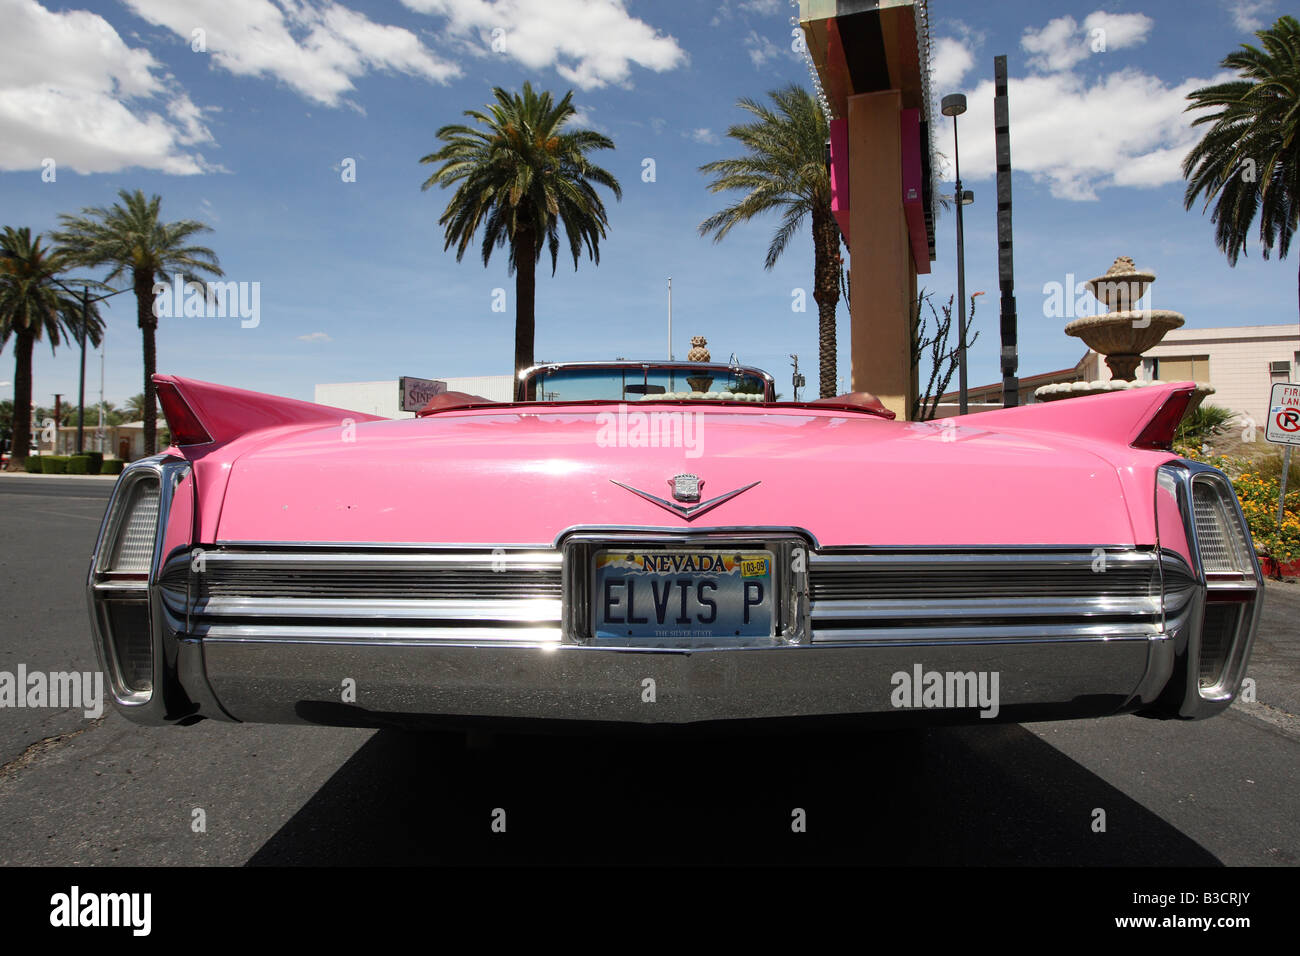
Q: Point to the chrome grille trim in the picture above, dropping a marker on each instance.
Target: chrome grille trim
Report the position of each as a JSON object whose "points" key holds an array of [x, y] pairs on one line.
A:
{"points": [[469, 596], [515, 596], [996, 596]]}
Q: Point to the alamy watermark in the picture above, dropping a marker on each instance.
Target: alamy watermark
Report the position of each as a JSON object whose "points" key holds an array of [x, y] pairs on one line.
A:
{"points": [[183, 298], [59, 690], [950, 690], [634, 428], [75, 908], [1075, 299]]}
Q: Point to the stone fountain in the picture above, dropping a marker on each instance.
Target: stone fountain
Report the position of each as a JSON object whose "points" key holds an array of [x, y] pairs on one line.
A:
{"points": [[1121, 334]]}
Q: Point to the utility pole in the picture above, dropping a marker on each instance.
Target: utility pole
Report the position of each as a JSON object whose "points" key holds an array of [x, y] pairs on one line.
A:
{"points": [[798, 380], [1006, 270]]}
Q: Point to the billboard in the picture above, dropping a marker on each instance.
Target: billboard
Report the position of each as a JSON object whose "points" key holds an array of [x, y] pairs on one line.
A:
{"points": [[414, 393]]}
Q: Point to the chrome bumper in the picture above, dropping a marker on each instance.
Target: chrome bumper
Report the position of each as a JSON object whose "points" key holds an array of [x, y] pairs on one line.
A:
{"points": [[276, 682]]}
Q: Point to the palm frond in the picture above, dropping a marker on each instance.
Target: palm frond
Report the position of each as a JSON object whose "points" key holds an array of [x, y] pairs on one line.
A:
{"points": [[1247, 164]]}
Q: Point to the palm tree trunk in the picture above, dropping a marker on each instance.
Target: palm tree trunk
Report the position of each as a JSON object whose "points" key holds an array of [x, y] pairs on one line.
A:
{"points": [[142, 281], [826, 293], [24, 339], [525, 294]]}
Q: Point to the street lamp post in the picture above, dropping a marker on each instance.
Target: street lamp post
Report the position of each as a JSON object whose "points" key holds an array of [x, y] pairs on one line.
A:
{"points": [[954, 104], [86, 300], [81, 378], [670, 318]]}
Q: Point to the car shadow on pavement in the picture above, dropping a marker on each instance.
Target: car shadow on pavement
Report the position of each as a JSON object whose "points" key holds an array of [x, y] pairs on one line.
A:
{"points": [[941, 796]]}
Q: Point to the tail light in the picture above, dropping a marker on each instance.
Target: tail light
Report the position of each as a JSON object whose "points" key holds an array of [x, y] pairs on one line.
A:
{"points": [[1232, 585], [1158, 433], [186, 429], [1223, 555], [134, 534], [120, 573]]}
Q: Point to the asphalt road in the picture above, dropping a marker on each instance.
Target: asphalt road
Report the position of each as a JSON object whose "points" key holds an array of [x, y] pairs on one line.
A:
{"points": [[78, 791]]}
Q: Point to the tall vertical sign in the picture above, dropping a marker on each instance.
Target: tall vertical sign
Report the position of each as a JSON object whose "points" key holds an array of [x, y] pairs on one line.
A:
{"points": [[1006, 270]]}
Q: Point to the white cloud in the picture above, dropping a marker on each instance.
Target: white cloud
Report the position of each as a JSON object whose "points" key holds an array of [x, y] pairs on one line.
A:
{"points": [[1251, 15], [1064, 43], [71, 90], [1126, 129], [950, 60], [723, 11], [1120, 30], [703, 135], [1057, 46], [1077, 134], [315, 337], [589, 43], [764, 7], [761, 49], [316, 48]]}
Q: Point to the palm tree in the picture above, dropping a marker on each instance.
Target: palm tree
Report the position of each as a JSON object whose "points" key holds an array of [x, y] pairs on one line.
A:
{"points": [[519, 175], [132, 239], [1248, 162], [134, 408], [32, 305], [784, 169]]}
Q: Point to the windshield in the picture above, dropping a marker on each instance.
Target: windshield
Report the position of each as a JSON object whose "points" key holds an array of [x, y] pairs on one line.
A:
{"points": [[636, 383]]}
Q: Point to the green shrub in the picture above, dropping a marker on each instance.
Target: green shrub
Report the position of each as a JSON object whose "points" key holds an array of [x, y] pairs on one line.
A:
{"points": [[96, 462], [77, 464], [112, 467], [33, 464], [54, 464], [1203, 423]]}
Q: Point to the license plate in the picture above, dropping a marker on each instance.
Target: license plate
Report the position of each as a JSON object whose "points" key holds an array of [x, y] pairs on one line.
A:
{"points": [[683, 595]]}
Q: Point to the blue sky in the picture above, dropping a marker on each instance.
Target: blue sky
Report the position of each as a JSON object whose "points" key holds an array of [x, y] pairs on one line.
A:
{"points": [[250, 135]]}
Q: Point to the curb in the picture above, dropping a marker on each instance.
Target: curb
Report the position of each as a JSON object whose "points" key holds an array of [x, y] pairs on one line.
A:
{"points": [[29, 475]]}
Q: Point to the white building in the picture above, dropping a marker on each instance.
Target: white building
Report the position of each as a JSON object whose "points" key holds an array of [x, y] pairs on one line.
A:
{"points": [[124, 441], [385, 398], [1241, 363]]}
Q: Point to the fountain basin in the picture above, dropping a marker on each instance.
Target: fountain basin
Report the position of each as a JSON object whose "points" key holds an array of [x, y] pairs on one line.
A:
{"points": [[1122, 337], [1052, 393]]}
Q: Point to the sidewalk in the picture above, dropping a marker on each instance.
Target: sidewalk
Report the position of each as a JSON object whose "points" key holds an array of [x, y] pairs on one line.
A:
{"points": [[23, 474]]}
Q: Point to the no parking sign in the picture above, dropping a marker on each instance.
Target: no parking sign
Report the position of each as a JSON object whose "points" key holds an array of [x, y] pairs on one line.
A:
{"points": [[1284, 414]]}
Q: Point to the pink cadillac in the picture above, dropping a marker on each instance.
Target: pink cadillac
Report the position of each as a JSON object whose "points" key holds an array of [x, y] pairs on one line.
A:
{"points": [[667, 544]]}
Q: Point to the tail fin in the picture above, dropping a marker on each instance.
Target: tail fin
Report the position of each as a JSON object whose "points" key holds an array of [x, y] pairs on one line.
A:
{"points": [[201, 413], [1145, 417]]}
